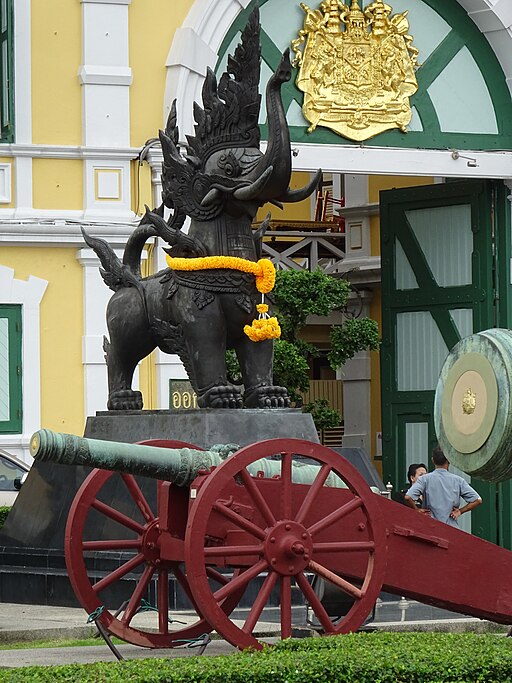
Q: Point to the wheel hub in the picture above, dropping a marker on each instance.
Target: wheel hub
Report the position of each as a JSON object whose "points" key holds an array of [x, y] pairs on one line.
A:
{"points": [[288, 548], [151, 544]]}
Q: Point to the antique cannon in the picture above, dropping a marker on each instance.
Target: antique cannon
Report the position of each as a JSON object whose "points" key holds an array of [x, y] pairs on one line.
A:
{"points": [[252, 516]]}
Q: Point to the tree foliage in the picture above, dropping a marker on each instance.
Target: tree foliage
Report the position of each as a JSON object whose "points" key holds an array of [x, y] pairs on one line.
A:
{"points": [[296, 295]]}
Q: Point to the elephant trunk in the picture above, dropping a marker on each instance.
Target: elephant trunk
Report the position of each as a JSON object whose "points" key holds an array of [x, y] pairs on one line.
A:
{"points": [[278, 153]]}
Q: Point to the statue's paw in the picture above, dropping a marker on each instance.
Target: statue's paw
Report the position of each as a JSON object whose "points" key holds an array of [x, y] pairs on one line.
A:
{"points": [[125, 399], [227, 396], [267, 397]]}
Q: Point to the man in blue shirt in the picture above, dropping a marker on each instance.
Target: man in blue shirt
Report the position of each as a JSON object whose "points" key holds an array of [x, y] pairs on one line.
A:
{"points": [[441, 491]]}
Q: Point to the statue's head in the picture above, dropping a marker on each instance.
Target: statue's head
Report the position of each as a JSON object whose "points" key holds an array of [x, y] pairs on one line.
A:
{"points": [[223, 169]]}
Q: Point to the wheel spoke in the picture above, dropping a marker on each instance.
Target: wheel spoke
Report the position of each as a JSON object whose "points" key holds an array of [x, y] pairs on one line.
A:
{"points": [[344, 547], [239, 581], [112, 545], [238, 550], [117, 516], [286, 607], [345, 586], [315, 603], [217, 576], [119, 573], [138, 497], [182, 580], [163, 601], [138, 594], [256, 495], [240, 521], [286, 483], [260, 602], [336, 515], [311, 495]]}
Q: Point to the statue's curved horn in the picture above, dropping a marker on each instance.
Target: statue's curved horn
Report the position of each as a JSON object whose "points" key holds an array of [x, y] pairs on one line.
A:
{"points": [[253, 190], [212, 197], [304, 192]]}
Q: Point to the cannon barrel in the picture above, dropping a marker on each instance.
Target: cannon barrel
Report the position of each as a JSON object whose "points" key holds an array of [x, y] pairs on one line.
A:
{"points": [[177, 465]]}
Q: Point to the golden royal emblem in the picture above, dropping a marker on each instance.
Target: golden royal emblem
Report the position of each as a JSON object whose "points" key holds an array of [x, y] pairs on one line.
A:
{"points": [[469, 402], [357, 68]]}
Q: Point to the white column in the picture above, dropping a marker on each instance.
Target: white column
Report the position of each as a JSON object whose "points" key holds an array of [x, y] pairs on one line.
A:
{"points": [[357, 223], [356, 376], [96, 298], [105, 76]]}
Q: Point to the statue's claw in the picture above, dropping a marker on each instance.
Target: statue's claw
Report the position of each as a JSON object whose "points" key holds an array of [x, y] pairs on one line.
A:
{"points": [[267, 397], [125, 399], [227, 396]]}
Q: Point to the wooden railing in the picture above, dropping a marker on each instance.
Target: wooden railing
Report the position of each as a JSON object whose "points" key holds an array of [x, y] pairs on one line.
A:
{"points": [[305, 245], [331, 389]]}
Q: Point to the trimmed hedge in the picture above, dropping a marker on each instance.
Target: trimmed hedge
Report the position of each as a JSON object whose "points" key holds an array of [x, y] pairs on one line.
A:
{"points": [[356, 658], [4, 511]]}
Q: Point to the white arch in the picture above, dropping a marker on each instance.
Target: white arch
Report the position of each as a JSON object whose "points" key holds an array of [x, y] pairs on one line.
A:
{"points": [[196, 44]]}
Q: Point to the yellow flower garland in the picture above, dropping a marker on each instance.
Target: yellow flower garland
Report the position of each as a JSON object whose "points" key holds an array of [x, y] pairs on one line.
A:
{"points": [[263, 269], [264, 327]]}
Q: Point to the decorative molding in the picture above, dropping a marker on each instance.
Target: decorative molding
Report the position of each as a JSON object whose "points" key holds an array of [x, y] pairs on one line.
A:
{"points": [[105, 75], [28, 293], [99, 207], [107, 184], [107, 2], [5, 184], [69, 152], [359, 211]]}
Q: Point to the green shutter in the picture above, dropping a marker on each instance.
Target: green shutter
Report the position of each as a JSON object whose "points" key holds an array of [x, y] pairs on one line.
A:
{"points": [[6, 72], [10, 370]]}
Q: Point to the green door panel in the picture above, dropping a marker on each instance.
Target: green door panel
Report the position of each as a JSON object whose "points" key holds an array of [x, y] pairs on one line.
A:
{"points": [[439, 284]]}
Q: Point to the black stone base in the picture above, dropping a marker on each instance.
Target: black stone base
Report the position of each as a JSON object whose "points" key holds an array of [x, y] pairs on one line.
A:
{"points": [[32, 565]]}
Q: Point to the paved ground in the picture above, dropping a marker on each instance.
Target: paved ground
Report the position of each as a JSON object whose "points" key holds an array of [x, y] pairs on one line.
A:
{"points": [[28, 623]]}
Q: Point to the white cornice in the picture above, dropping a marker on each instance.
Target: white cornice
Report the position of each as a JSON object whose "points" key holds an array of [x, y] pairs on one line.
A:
{"points": [[68, 151], [357, 159], [62, 233]]}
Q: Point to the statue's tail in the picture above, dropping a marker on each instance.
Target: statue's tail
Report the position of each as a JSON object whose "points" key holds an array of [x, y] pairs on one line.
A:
{"points": [[115, 274]]}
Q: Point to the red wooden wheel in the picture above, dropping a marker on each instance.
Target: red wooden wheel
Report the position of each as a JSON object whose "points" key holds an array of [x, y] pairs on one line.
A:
{"points": [[139, 541], [283, 530]]}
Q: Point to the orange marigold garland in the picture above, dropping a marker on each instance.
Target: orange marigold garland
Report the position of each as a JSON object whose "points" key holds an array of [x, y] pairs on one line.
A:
{"points": [[264, 327], [263, 269]]}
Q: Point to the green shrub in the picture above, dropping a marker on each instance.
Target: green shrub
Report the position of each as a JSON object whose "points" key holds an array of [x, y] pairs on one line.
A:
{"points": [[4, 511], [323, 415], [356, 658]]}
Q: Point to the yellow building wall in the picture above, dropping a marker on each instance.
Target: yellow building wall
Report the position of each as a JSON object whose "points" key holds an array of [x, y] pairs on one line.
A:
{"points": [[56, 57], [62, 382], [11, 204], [149, 43], [57, 184]]}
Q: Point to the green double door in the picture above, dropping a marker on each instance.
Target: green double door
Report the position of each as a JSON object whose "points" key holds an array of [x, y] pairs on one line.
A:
{"points": [[445, 275]]}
